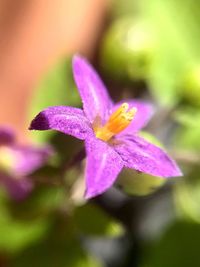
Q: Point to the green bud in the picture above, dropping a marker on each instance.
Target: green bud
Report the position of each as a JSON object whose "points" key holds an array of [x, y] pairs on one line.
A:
{"points": [[127, 50], [139, 184]]}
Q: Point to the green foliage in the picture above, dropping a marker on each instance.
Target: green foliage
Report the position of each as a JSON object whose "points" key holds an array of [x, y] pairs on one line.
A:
{"points": [[93, 221], [187, 138], [188, 116], [190, 86], [60, 248], [177, 247], [172, 65], [178, 51], [187, 135], [44, 230], [15, 233], [127, 49], [44, 201], [187, 196]]}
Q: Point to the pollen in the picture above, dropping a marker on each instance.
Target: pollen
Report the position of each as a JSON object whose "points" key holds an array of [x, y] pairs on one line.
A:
{"points": [[117, 122]]}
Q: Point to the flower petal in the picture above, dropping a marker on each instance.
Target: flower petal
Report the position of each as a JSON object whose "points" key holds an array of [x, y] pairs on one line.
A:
{"points": [[18, 189], [142, 156], [68, 120], [95, 98], [29, 158], [144, 113], [103, 166], [7, 136]]}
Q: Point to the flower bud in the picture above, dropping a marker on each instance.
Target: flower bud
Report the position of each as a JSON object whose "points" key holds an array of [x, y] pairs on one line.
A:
{"points": [[139, 184]]}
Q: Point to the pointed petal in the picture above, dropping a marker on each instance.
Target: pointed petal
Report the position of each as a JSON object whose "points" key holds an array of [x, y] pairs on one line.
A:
{"points": [[94, 95], [144, 113], [142, 156], [103, 166], [68, 120], [7, 136]]}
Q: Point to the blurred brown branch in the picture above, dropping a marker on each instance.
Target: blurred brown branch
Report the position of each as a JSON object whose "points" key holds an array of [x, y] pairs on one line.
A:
{"points": [[33, 35]]}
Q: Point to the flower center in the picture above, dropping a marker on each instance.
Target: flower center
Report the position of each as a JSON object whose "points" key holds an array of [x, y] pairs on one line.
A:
{"points": [[117, 122]]}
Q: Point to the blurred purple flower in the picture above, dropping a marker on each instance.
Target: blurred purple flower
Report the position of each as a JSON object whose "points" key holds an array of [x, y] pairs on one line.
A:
{"points": [[17, 162], [110, 132]]}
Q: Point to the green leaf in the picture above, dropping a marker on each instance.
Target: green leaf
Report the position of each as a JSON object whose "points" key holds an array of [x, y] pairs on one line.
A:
{"points": [[41, 203], [177, 44], [187, 138], [172, 70], [91, 220], [177, 247], [16, 234], [127, 50], [50, 254], [60, 248], [187, 196], [190, 86], [188, 116]]}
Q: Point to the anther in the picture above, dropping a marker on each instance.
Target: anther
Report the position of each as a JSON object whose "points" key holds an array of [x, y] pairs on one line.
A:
{"points": [[118, 121]]}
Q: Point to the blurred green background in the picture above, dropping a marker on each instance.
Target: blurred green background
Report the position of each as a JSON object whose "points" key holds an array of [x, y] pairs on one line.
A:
{"points": [[149, 50]]}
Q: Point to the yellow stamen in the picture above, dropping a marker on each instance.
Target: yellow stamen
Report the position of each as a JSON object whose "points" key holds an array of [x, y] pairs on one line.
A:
{"points": [[117, 122]]}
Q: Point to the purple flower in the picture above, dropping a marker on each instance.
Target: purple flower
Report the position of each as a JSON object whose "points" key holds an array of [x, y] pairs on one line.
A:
{"points": [[110, 132], [17, 162]]}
